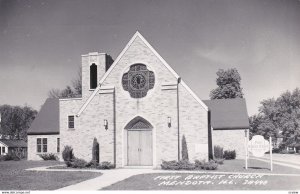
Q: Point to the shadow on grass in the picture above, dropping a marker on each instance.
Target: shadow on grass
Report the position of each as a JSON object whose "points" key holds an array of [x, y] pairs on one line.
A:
{"points": [[258, 168]]}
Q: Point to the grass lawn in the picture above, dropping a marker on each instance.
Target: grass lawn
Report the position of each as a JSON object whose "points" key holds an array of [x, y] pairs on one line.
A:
{"points": [[219, 181], [15, 177]]}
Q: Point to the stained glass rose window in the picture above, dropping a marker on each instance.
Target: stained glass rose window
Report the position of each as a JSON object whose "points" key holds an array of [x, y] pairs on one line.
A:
{"points": [[138, 80]]}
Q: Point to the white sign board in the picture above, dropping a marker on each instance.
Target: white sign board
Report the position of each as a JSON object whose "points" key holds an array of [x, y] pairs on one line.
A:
{"points": [[258, 146]]}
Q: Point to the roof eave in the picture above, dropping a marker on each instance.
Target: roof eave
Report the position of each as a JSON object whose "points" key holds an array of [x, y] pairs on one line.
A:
{"points": [[43, 133]]}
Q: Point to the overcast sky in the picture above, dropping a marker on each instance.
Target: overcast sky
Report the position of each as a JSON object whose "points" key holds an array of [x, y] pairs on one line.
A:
{"points": [[41, 42]]}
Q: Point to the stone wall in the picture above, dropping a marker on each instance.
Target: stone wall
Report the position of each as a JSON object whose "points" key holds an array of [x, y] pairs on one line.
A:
{"points": [[194, 125], [118, 108], [51, 146], [231, 140]]}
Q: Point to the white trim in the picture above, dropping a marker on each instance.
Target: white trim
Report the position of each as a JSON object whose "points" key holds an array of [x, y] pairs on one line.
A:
{"points": [[93, 54], [4, 144], [88, 101], [194, 95], [137, 34], [68, 99], [99, 87]]}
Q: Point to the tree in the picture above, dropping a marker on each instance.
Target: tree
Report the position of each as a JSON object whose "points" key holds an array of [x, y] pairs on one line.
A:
{"points": [[16, 120], [184, 149], [95, 150], [279, 116], [70, 91], [229, 85]]}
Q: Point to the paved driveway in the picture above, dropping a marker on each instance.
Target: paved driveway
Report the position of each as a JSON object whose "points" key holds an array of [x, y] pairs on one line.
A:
{"points": [[285, 158]]}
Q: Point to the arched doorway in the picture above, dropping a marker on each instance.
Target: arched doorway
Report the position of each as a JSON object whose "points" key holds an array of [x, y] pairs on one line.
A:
{"points": [[139, 142]]}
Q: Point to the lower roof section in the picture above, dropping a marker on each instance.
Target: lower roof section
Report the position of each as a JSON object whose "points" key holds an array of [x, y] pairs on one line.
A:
{"points": [[228, 113], [47, 120]]}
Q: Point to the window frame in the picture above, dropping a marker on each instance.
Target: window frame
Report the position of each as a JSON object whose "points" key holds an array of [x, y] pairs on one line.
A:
{"points": [[3, 150], [42, 144], [93, 76], [70, 116]]}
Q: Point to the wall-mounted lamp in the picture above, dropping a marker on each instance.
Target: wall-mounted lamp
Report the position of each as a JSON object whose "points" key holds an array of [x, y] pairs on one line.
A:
{"points": [[169, 122], [105, 124]]}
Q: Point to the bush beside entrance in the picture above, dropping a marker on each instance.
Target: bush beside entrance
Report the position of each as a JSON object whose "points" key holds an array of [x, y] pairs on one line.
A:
{"points": [[73, 162]]}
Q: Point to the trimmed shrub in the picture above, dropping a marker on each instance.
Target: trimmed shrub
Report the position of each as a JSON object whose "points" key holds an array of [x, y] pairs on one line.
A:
{"points": [[177, 165], [229, 154], [49, 156], [287, 151], [170, 165], [67, 153], [186, 165], [184, 151], [10, 156], [218, 152], [95, 150], [211, 165], [78, 163], [92, 164], [199, 164], [105, 165]]}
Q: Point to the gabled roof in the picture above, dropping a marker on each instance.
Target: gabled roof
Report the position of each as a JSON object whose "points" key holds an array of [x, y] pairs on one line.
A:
{"points": [[228, 113], [14, 143], [137, 34], [47, 120]]}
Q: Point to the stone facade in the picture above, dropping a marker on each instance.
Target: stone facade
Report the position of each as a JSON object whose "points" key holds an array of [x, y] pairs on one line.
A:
{"points": [[231, 140], [170, 110], [114, 104], [51, 146]]}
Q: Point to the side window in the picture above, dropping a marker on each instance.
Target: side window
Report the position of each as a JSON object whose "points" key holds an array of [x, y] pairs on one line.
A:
{"points": [[93, 76], [3, 150], [44, 144], [58, 144], [71, 122], [41, 144]]}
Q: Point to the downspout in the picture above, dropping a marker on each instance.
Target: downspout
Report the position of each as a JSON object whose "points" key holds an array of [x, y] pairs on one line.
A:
{"points": [[114, 113], [178, 123], [210, 148]]}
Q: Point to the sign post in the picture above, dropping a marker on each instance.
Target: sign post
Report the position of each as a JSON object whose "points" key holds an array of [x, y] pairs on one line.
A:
{"points": [[258, 146], [271, 157], [246, 149]]}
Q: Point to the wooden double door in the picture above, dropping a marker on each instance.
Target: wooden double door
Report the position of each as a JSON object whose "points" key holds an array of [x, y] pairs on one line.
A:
{"points": [[139, 148]]}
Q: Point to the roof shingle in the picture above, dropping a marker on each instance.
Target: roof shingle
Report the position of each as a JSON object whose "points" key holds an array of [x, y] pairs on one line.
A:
{"points": [[47, 120], [228, 113], [14, 143]]}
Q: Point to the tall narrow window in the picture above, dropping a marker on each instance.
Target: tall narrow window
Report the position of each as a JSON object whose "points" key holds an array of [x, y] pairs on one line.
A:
{"points": [[3, 150], [71, 122], [58, 144], [41, 145], [93, 76]]}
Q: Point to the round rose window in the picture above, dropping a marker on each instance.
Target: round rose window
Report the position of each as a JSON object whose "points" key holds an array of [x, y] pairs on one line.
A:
{"points": [[138, 80]]}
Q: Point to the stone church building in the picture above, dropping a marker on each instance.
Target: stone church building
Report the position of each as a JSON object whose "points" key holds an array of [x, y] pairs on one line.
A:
{"points": [[138, 108]]}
